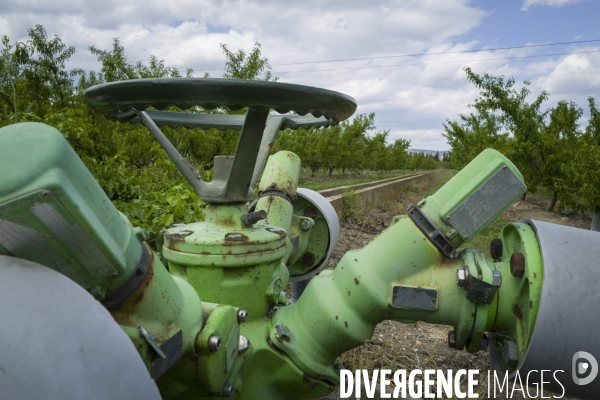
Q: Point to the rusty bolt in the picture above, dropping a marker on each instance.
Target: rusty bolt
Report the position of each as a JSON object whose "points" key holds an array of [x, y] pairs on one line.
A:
{"points": [[251, 218], [214, 343], [452, 339], [242, 315], [310, 212], [283, 332], [308, 259], [305, 225], [461, 277], [496, 249], [510, 354], [228, 390], [517, 265]]}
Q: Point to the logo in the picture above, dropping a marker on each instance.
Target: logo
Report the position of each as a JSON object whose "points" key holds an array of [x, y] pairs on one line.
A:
{"points": [[581, 368]]}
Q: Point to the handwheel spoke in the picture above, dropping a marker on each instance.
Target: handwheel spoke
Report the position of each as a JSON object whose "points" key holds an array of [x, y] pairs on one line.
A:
{"points": [[234, 177]]}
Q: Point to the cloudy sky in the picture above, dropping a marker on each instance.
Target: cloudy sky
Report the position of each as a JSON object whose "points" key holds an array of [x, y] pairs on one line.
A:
{"points": [[371, 50]]}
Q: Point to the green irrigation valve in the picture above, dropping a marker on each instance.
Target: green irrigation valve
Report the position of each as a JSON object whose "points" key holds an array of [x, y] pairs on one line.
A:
{"points": [[469, 202]]}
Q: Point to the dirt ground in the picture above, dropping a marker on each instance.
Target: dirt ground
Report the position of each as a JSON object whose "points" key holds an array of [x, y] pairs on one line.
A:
{"points": [[395, 345]]}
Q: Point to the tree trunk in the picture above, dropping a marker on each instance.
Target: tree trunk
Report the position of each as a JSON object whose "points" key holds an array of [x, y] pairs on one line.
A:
{"points": [[596, 221], [312, 173], [523, 197], [331, 171], [552, 202]]}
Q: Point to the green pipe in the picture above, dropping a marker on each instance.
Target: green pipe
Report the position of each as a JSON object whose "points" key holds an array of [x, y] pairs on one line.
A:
{"points": [[277, 187]]}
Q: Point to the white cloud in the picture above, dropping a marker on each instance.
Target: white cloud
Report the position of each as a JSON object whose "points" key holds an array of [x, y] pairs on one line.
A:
{"points": [[413, 101], [553, 3], [575, 78]]}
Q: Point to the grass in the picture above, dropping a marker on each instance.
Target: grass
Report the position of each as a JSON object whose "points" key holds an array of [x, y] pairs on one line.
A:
{"points": [[337, 180], [444, 177], [483, 239]]}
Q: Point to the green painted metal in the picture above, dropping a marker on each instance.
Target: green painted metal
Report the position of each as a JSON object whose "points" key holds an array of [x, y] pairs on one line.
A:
{"points": [[340, 309], [439, 206], [243, 264], [53, 212], [313, 244], [518, 302], [227, 121], [116, 99], [163, 304], [222, 266], [220, 367], [280, 177]]}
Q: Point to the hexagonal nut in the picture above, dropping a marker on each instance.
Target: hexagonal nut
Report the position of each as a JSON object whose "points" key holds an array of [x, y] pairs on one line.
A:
{"points": [[461, 277], [496, 249], [305, 225], [510, 353], [496, 278], [283, 332], [228, 390], [242, 316], [517, 265], [214, 343], [243, 344]]}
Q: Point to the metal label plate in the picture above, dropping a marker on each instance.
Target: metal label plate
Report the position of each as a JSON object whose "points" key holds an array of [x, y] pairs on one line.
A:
{"points": [[414, 298], [485, 202], [37, 227]]}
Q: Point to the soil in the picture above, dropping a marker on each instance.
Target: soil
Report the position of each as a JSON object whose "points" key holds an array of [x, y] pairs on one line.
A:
{"points": [[533, 207], [395, 345]]}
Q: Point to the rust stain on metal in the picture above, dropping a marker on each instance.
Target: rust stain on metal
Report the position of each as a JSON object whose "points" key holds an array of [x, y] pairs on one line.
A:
{"points": [[517, 265], [310, 212], [496, 249], [235, 238], [272, 345], [126, 309], [171, 238], [308, 259], [517, 311]]}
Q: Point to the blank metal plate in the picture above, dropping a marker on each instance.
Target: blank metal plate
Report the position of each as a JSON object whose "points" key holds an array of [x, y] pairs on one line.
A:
{"points": [[414, 298], [486, 202]]}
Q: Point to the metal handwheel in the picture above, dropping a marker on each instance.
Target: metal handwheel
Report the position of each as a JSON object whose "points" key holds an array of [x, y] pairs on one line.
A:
{"points": [[234, 177]]}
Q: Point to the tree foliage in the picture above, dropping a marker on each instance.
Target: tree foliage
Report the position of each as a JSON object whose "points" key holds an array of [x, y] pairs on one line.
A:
{"points": [[547, 146], [131, 167]]}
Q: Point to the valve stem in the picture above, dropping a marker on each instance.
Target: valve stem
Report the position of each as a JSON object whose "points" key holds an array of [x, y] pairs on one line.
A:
{"points": [[251, 218]]}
